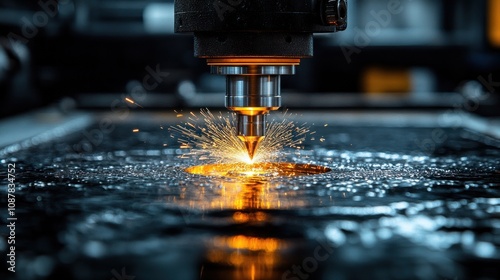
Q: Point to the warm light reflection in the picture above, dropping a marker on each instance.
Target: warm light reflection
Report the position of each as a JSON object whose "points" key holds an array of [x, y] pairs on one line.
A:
{"points": [[242, 242], [226, 61], [242, 187], [248, 195], [259, 170], [250, 191], [250, 257]]}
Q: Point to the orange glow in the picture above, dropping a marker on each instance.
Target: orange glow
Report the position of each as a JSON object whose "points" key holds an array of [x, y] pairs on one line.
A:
{"points": [[243, 242], [135, 130], [378, 81], [253, 257], [216, 140], [249, 192], [494, 22], [239, 217], [245, 188], [236, 259], [261, 216], [257, 170], [253, 111], [238, 61], [132, 102]]}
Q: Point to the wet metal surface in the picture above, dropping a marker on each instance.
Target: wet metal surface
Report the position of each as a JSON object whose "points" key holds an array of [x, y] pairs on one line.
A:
{"points": [[258, 171], [398, 203]]}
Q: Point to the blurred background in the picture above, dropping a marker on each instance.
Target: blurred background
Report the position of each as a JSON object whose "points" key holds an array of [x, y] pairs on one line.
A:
{"points": [[423, 54]]}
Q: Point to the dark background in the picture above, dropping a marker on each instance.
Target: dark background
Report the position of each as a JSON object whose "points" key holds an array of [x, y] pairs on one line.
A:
{"points": [[94, 51]]}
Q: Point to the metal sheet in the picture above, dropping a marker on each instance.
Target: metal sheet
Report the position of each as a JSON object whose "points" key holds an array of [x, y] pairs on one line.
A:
{"points": [[399, 203]]}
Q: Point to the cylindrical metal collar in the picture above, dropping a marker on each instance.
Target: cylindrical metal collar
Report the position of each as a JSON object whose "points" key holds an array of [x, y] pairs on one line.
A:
{"points": [[254, 70], [253, 91], [251, 125]]}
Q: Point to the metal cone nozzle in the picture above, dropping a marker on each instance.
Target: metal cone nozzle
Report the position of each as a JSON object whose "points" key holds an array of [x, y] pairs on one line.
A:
{"points": [[251, 143]]}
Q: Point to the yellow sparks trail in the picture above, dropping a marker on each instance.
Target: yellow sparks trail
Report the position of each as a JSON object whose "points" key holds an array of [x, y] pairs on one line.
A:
{"points": [[213, 137]]}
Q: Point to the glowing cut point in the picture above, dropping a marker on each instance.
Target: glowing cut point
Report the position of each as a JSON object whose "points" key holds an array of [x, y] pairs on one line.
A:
{"points": [[214, 137], [245, 158]]}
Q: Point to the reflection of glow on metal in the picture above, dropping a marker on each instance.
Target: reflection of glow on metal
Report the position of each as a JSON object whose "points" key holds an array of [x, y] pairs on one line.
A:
{"points": [[259, 170], [253, 257], [252, 193], [242, 242], [248, 186], [240, 217], [243, 187], [248, 189]]}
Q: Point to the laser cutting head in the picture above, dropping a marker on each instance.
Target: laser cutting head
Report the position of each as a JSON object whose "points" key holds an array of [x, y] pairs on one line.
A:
{"points": [[253, 43], [253, 89]]}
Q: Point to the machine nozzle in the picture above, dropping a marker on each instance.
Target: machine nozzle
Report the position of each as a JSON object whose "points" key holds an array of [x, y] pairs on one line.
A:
{"points": [[252, 91]]}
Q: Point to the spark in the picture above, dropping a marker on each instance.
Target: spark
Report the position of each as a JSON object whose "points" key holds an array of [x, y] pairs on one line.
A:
{"points": [[129, 100], [135, 130], [213, 137]]}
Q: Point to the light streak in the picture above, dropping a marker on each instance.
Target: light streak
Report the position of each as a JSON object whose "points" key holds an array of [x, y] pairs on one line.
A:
{"points": [[129, 100]]}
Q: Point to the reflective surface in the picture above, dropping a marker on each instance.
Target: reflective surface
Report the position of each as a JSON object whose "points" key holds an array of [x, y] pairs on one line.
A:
{"points": [[395, 205], [257, 171]]}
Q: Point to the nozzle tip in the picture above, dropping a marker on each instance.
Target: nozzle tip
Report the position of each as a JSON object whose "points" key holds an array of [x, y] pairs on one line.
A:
{"points": [[251, 143], [251, 147]]}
